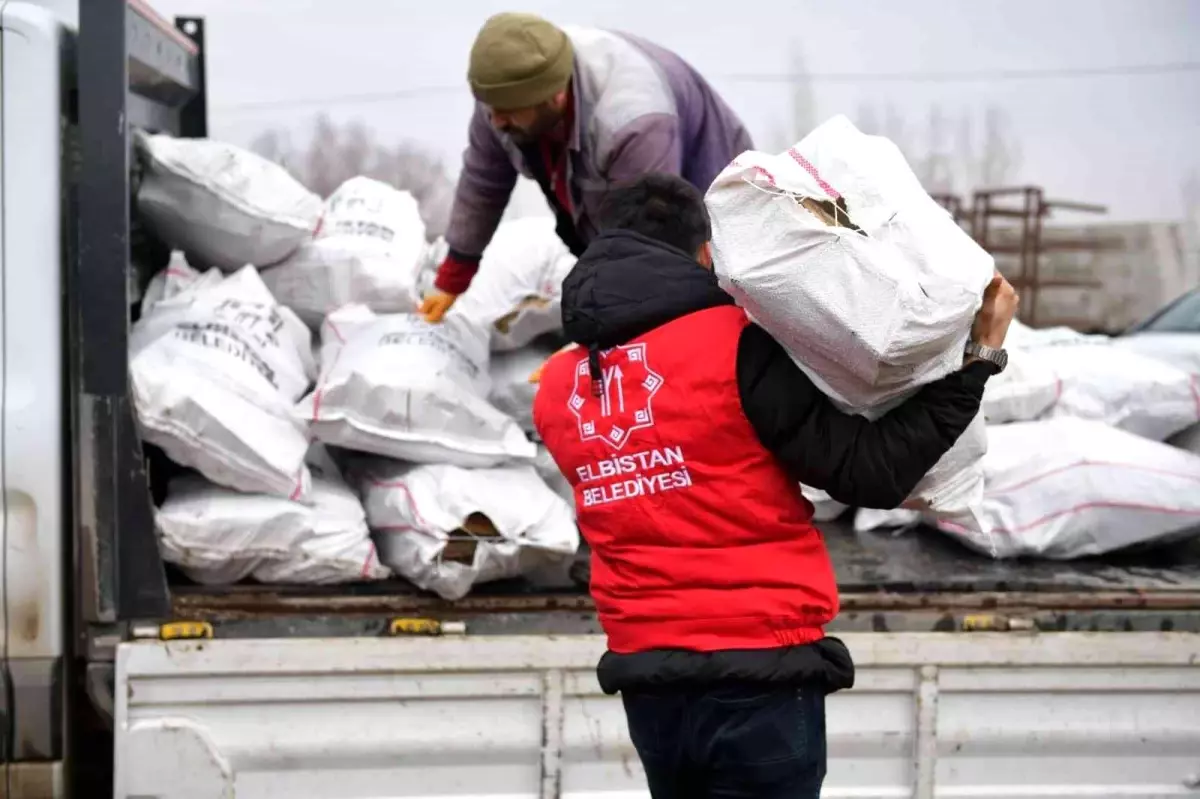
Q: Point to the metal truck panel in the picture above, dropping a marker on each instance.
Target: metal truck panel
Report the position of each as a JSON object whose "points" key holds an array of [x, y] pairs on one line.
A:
{"points": [[932, 715]]}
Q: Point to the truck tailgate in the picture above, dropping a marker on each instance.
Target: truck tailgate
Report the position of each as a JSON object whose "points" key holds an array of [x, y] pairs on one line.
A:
{"points": [[932, 714]]}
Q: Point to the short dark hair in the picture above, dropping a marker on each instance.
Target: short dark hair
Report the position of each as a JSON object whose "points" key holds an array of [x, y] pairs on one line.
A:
{"points": [[660, 206]]}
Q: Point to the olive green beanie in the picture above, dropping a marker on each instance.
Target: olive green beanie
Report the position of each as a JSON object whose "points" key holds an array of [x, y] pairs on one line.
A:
{"points": [[519, 61]]}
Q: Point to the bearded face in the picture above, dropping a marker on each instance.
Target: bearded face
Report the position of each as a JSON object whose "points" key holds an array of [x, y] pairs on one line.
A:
{"points": [[526, 125]]}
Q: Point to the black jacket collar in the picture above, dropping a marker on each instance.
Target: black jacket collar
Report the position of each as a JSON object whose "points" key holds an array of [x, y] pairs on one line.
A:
{"points": [[626, 284]]}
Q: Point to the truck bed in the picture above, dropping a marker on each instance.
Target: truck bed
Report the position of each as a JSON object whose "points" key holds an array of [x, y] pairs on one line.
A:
{"points": [[915, 581]]}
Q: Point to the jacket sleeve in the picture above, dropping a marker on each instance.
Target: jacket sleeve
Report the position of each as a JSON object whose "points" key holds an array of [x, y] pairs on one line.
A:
{"points": [[862, 463], [649, 143], [484, 188]]}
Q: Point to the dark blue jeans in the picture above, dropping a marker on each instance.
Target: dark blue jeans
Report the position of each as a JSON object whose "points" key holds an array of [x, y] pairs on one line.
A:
{"points": [[731, 742]]}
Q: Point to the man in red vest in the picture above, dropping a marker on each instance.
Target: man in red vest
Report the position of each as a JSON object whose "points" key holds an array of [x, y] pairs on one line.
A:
{"points": [[685, 430]]}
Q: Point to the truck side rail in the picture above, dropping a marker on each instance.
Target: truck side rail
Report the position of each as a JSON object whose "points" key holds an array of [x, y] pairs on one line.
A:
{"points": [[135, 71]]}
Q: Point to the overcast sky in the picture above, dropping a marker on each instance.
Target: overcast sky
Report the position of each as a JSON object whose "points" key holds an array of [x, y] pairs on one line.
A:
{"points": [[1127, 140]]}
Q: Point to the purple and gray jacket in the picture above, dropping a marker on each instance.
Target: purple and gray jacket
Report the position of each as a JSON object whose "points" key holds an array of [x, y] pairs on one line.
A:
{"points": [[638, 108]]}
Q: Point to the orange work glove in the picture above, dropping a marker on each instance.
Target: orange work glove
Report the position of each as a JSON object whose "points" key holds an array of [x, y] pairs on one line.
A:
{"points": [[435, 305], [536, 377]]}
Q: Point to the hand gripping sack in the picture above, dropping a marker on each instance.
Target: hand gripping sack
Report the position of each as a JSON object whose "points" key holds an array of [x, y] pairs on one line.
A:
{"points": [[369, 250], [396, 385], [218, 536], [222, 205], [447, 529], [839, 253], [215, 369], [517, 291]]}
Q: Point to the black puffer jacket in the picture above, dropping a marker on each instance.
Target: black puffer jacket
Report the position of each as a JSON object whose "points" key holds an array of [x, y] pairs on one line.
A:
{"points": [[625, 285]]}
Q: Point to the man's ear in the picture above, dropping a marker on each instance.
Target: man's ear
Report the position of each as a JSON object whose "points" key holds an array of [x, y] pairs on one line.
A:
{"points": [[704, 255], [560, 100]]}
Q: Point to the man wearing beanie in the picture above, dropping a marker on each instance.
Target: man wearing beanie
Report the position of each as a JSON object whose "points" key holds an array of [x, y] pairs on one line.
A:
{"points": [[578, 110]]}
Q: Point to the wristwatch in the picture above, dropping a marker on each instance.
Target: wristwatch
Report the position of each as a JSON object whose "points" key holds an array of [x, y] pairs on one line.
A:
{"points": [[997, 358]]}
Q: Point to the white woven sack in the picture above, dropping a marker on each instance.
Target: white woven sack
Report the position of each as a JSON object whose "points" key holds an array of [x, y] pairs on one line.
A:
{"points": [[548, 470], [871, 314], [1026, 390], [1121, 388], [511, 391], [825, 507], [216, 369], [222, 205], [396, 385], [1023, 337], [413, 510], [517, 291], [1069, 488], [369, 250], [1181, 350], [218, 536]]}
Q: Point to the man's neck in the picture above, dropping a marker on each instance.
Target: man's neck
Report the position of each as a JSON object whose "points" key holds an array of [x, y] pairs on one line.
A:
{"points": [[561, 133]]}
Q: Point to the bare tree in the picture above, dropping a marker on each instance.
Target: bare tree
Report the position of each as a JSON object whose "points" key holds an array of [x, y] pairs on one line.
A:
{"points": [[1001, 156], [320, 164], [1190, 192], [337, 153], [803, 112], [274, 145], [950, 162], [867, 119]]}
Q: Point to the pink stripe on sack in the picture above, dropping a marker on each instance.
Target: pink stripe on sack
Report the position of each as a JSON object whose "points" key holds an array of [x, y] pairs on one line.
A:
{"points": [[320, 389], [334, 328], [1081, 464], [812, 170], [408, 497], [758, 170], [1195, 394], [299, 489], [958, 528], [1058, 391], [366, 569]]}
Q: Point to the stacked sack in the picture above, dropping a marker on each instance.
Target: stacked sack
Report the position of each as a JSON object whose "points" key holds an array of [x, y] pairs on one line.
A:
{"points": [[835, 249], [455, 491], [1075, 464], [369, 249], [225, 383]]}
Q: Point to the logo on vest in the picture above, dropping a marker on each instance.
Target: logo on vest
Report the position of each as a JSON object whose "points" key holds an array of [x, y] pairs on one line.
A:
{"points": [[624, 403]]}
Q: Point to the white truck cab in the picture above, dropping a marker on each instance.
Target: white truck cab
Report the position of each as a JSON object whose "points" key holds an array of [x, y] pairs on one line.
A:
{"points": [[120, 678]]}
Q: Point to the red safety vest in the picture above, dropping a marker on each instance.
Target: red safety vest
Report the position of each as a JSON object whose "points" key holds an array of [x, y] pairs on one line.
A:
{"points": [[699, 538]]}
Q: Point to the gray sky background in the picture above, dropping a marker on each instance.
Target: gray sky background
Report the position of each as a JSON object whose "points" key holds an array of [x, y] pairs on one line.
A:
{"points": [[1129, 141]]}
